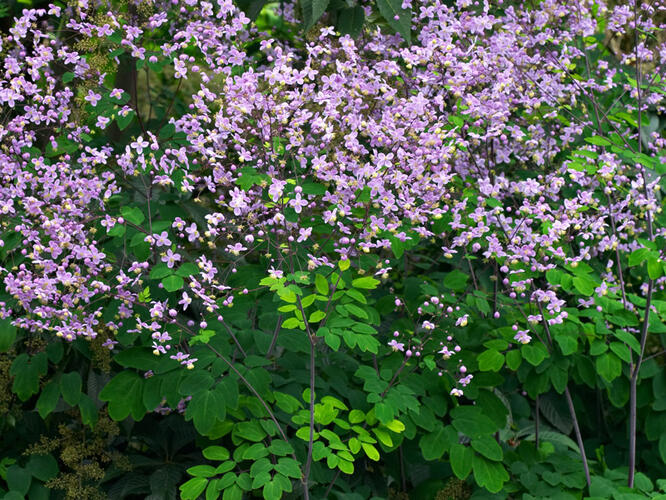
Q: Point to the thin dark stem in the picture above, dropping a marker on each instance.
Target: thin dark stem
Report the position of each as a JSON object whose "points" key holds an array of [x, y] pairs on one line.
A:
{"points": [[330, 486], [471, 270], [308, 462], [536, 421], [579, 438], [231, 334], [633, 387], [402, 469], [275, 336], [572, 409], [313, 373]]}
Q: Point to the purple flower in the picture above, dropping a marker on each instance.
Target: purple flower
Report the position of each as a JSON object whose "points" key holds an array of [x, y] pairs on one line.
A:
{"points": [[171, 258], [396, 346], [93, 98]]}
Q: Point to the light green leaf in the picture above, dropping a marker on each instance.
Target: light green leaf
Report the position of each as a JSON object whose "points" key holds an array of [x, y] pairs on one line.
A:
{"points": [[316, 316], [218, 453], [191, 489], [132, 214], [598, 141], [321, 285], [173, 283], [370, 451], [367, 282], [491, 361]]}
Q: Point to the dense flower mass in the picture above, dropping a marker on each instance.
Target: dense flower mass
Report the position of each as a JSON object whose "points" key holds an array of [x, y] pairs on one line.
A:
{"points": [[487, 146]]}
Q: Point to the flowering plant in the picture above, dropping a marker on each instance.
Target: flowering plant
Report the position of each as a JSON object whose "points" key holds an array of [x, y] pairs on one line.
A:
{"points": [[320, 249]]}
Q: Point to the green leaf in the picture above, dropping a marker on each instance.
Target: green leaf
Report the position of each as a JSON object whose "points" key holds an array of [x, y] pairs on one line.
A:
{"points": [[88, 410], [43, 467], [568, 344], [553, 276], [191, 489], [654, 268], [488, 447], [251, 431], [356, 311], [461, 460], [218, 453], [345, 466], [124, 394], [280, 448], [490, 475], [321, 285], [167, 131], [628, 339], [513, 359], [70, 388], [316, 316], [290, 323], [370, 451], [160, 271], [288, 467], [350, 21], [384, 412], [272, 490], [455, 280], [367, 283], [394, 425], [584, 285], [638, 256], [48, 399], [255, 452], [141, 358], [397, 247], [534, 353], [435, 444], [187, 269], [132, 214], [471, 421], [598, 141], [491, 361], [312, 10], [204, 409], [608, 366], [233, 493], [7, 334], [26, 372], [173, 283], [124, 121], [18, 479], [621, 351], [197, 380], [202, 471], [390, 9], [662, 447]]}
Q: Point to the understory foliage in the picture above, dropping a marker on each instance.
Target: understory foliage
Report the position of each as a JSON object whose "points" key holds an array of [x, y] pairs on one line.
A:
{"points": [[403, 249]]}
